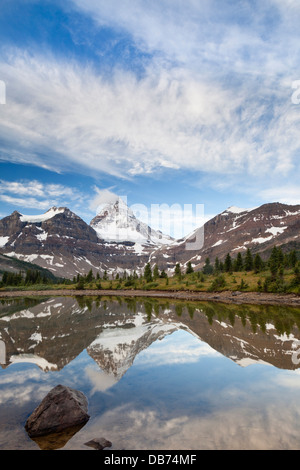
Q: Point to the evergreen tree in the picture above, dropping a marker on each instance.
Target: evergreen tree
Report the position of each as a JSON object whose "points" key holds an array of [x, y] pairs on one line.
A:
{"points": [[217, 265], [208, 268], [248, 264], [11, 279], [155, 272], [90, 276], [258, 263], [4, 278], [148, 273], [134, 276], [280, 257], [80, 284], [239, 264], [274, 261], [228, 263], [178, 271], [189, 268], [296, 280], [33, 277], [292, 258]]}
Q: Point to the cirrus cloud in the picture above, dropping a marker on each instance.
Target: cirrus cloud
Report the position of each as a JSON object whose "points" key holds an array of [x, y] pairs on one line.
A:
{"points": [[63, 116], [34, 194]]}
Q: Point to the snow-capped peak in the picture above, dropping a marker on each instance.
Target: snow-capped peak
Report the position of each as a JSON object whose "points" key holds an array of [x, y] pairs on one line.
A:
{"points": [[116, 222]]}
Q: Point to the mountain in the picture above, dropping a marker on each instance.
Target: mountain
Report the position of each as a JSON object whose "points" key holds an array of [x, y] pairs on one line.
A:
{"points": [[63, 243], [57, 240], [233, 231], [116, 240], [117, 223]]}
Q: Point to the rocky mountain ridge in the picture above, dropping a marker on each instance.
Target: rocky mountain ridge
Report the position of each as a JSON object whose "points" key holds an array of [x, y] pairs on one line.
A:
{"points": [[63, 243], [233, 231], [116, 240]]}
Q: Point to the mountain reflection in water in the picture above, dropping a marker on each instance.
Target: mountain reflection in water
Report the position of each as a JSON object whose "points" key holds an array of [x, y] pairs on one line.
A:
{"points": [[157, 374]]}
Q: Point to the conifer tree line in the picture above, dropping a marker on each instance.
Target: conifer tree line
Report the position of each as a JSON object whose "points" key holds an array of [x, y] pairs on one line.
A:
{"points": [[30, 277], [123, 279], [274, 268], [276, 262], [249, 262]]}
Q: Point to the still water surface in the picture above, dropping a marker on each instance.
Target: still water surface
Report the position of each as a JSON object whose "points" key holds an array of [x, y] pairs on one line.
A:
{"points": [[157, 374]]}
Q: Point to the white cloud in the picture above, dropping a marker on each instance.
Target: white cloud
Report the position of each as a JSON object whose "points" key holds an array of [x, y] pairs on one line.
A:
{"points": [[36, 195], [283, 194], [30, 202], [179, 348], [62, 116], [103, 197], [248, 39], [35, 188], [215, 96]]}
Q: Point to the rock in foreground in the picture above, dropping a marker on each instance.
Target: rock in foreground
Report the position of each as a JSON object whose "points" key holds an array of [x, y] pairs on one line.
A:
{"points": [[61, 409]]}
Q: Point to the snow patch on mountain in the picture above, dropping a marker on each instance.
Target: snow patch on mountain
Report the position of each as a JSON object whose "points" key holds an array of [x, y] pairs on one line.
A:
{"points": [[260, 240], [237, 210], [42, 236], [35, 219], [33, 359], [276, 230], [3, 241], [218, 243]]}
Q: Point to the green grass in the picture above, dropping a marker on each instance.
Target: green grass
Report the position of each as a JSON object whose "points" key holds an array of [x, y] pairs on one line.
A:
{"points": [[194, 282], [239, 281]]}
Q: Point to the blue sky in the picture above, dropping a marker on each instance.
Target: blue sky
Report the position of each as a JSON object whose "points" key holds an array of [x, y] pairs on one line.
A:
{"points": [[164, 102]]}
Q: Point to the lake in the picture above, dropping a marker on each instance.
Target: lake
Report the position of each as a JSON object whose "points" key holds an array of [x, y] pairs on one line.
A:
{"points": [[157, 374]]}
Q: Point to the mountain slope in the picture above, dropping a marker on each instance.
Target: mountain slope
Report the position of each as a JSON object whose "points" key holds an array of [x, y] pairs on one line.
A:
{"points": [[14, 265], [63, 243], [233, 231], [55, 240]]}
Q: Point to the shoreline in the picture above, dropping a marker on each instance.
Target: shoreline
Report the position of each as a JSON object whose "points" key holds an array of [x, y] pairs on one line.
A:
{"points": [[260, 298]]}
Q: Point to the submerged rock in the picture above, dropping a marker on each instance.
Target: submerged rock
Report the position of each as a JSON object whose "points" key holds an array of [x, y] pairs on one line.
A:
{"points": [[98, 443], [61, 409], [56, 440]]}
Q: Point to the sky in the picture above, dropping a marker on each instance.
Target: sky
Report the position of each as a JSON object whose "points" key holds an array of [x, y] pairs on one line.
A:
{"points": [[168, 102]]}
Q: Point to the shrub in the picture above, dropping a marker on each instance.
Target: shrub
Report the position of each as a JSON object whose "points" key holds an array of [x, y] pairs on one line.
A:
{"points": [[243, 285], [218, 283]]}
